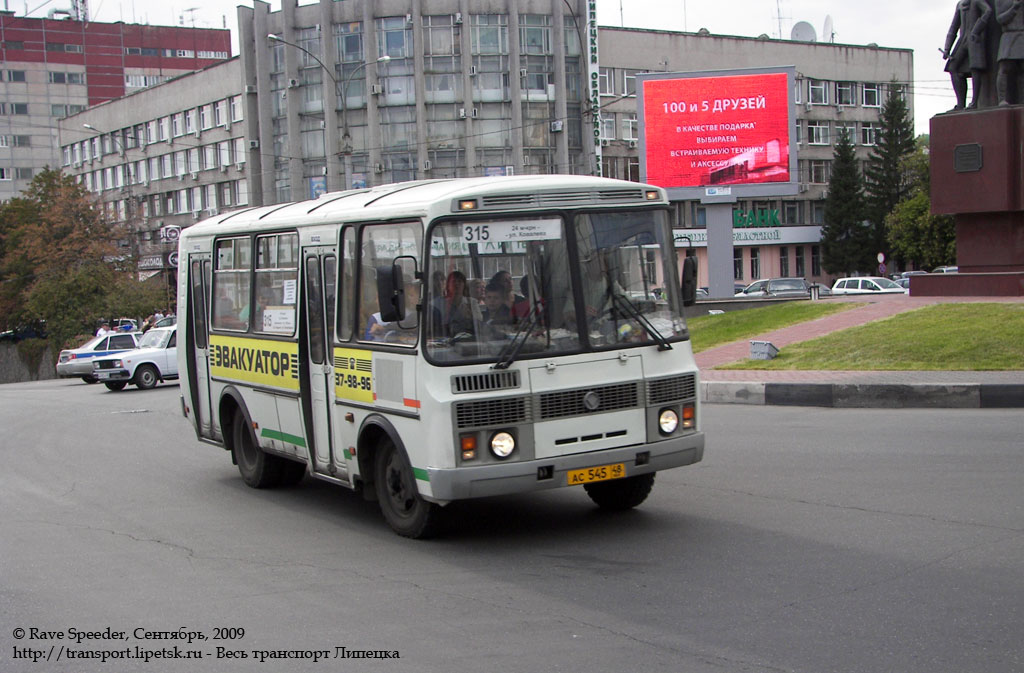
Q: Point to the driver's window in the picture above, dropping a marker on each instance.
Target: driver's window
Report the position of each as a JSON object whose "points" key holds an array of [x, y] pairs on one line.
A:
{"points": [[383, 246]]}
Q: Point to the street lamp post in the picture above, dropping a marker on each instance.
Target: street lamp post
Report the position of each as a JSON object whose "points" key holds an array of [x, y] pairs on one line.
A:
{"points": [[341, 90]]}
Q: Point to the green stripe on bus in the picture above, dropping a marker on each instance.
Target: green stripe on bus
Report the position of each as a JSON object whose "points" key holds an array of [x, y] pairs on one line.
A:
{"points": [[421, 474], [284, 437]]}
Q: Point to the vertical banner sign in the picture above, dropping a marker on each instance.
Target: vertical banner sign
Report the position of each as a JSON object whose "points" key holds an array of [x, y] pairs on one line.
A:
{"points": [[594, 83], [721, 130]]}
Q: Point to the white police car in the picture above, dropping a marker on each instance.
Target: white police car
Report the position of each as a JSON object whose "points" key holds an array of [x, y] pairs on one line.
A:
{"points": [[155, 360], [77, 362]]}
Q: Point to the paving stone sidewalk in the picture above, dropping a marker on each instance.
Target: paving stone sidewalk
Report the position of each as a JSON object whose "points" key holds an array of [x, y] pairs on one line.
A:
{"points": [[856, 388]]}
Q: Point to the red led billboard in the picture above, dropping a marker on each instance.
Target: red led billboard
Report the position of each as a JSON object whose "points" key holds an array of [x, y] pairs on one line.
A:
{"points": [[721, 130]]}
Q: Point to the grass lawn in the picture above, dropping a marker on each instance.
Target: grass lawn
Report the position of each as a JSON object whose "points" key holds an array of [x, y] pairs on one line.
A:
{"points": [[950, 337], [708, 331]]}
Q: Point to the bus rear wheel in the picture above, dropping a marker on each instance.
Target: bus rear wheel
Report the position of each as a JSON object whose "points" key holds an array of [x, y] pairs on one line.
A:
{"points": [[257, 467], [621, 494], [406, 512]]}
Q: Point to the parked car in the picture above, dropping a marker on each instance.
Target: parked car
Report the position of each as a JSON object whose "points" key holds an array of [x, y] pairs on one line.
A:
{"points": [[946, 269], [167, 321], [155, 360], [866, 285], [903, 282], [777, 287], [77, 362], [823, 290]]}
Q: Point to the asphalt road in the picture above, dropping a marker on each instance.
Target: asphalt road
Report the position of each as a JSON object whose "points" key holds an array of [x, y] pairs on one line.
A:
{"points": [[808, 540]]}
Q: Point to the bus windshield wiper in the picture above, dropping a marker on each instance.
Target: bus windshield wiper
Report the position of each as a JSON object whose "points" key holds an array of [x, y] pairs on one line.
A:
{"points": [[626, 306], [511, 350]]}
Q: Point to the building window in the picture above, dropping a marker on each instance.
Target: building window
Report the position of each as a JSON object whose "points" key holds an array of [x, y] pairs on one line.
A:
{"points": [[784, 262], [737, 263], [815, 260], [798, 91], [791, 212], [236, 108], [606, 82], [190, 121], [868, 133], [633, 169], [817, 214], [755, 263], [16, 75], [490, 34], [629, 81], [441, 36], [630, 127], [871, 95], [394, 37], [205, 116], [608, 127], [18, 108], [23, 173], [844, 93], [348, 42], [13, 44], [817, 133], [817, 92], [534, 34], [800, 273], [850, 128], [818, 171], [176, 124], [5, 173]]}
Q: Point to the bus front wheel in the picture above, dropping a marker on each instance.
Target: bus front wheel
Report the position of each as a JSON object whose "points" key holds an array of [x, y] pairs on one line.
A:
{"points": [[406, 512], [621, 494]]}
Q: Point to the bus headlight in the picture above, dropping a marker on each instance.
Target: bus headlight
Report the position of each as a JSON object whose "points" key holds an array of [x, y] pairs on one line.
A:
{"points": [[668, 421], [502, 444]]}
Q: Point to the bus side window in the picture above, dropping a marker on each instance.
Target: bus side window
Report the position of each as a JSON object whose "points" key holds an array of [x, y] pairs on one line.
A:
{"points": [[231, 303]]}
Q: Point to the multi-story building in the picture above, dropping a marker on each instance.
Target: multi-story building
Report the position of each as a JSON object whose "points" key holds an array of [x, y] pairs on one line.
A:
{"points": [[346, 94], [163, 158], [839, 88], [50, 68]]}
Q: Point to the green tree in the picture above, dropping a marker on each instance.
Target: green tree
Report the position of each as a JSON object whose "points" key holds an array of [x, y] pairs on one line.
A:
{"points": [[914, 233], [885, 177], [59, 262], [846, 241]]}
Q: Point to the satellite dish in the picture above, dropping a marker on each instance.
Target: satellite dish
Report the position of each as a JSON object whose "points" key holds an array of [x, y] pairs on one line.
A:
{"points": [[803, 32], [829, 33]]}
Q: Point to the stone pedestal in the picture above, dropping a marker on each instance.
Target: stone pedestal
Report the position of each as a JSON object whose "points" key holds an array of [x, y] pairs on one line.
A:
{"points": [[977, 176]]}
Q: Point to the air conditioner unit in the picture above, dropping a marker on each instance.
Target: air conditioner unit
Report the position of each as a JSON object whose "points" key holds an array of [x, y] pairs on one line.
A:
{"points": [[510, 170], [378, 168], [474, 112], [293, 83], [181, 177], [803, 187], [223, 169], [250, 88], [556, 126], [210, 212], [376, 89], [839, 109], [458, 18], [196, 214], [462, 113], [472, 70], [426, 165], [239, 166], [632, 144], [196, 134], [254, 144], [807, 106], [605, 142], [523, 72], [195, 176]]}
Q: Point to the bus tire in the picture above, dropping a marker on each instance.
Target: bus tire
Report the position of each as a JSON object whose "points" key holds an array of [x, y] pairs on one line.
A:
{"points": [[146, 377], [621, 494], [406, 512], [258, 468], [116, 385]]}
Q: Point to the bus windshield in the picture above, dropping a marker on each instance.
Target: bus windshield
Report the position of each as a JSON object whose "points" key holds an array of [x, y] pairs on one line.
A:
{"points": [[513, 288]]}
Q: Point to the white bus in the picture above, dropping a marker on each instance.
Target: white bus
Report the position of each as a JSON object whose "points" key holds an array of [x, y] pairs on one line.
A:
{"points": [[432, 341]]}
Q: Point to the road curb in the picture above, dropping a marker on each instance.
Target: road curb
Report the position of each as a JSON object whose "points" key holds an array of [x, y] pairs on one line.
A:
{"points": [[866, 395]]}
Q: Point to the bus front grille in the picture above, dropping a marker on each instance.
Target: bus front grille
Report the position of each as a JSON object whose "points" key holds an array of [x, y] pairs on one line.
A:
{"points": [[494, 412], [478, 383], [584, 401], [672, 389]]}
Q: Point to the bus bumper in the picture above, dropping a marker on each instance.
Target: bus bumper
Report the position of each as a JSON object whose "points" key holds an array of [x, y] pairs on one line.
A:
{"points": [[548, 473]]}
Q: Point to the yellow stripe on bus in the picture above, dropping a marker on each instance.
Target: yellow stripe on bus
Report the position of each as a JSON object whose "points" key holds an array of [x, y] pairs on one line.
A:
{"points": [[257, 361]]}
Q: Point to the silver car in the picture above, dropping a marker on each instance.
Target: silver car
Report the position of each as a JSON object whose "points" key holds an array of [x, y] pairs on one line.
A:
{"points": [[77, 362]]}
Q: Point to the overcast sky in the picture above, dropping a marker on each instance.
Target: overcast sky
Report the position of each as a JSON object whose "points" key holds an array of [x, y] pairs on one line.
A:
{"points": [[917, 24]]}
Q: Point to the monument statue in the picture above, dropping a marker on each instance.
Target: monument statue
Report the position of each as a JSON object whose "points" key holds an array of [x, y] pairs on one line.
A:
{"points": [[1010, 15], [969, 55]]}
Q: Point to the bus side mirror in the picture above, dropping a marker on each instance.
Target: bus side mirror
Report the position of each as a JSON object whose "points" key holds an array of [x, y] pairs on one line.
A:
{"points": [[689, 281], [391, 293]]}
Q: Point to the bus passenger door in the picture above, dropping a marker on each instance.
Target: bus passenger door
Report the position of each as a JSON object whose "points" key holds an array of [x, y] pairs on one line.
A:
{"points": [[317, 343], [197, 342]]}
